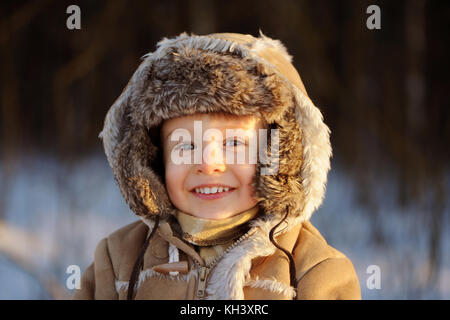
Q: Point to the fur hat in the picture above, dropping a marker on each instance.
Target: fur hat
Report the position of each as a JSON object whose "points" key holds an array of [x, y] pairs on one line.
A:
{"points": [[225, 72]]}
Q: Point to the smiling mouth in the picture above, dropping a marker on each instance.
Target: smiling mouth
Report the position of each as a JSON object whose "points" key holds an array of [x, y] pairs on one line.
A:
{"points": [[214, 192]]}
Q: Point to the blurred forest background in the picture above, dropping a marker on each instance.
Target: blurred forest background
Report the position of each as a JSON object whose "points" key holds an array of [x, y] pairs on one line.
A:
{"points": [[383, 93]]}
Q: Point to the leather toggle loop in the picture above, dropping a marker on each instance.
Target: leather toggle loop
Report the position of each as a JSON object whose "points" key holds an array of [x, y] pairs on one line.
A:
{"points": [[180, 266]]}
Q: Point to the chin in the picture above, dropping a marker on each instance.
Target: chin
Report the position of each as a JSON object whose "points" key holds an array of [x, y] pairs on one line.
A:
{"points": [[216, 216]]}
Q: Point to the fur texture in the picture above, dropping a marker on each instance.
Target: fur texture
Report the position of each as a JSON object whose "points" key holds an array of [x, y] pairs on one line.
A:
{"points": [[272, 285], [229, 276]]}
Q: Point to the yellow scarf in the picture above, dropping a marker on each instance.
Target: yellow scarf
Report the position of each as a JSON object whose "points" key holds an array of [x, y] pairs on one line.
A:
{"points": [[214, 236]]}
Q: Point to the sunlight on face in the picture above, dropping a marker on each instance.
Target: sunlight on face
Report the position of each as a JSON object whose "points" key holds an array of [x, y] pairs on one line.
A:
{"points": [[210, 181]]}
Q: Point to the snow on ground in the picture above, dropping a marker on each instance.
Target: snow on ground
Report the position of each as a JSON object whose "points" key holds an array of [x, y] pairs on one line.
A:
{"points": [[70, 209]]}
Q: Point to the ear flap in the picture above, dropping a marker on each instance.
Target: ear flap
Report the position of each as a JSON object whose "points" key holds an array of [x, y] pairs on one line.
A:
{"points": [[141, 187], [281, 189]]}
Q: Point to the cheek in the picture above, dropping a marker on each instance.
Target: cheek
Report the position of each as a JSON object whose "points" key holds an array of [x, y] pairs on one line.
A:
{"points": [[245, 174], [175, 177]]}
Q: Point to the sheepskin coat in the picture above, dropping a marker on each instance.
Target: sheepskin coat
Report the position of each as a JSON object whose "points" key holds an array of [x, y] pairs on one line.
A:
{"points": [[240, 75]]}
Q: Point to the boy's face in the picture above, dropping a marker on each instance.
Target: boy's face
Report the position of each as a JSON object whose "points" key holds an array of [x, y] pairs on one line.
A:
{"points": [[199, 187]]}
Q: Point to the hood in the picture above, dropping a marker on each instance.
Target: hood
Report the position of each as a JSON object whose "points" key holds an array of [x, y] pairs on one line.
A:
{"points": [[224, 72]]}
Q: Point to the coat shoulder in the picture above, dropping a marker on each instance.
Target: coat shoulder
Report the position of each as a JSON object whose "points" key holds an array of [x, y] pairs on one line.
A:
{"points": [[125, 243], [311, 249], [128, 233], [322, 271]]}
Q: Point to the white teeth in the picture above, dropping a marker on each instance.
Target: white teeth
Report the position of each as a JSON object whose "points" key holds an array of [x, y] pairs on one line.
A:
{"points": [[207, 190]]}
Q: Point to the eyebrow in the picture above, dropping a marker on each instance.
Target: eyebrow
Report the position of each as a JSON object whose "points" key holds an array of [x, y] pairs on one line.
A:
{"points": [[232, 127], [167, 136]]}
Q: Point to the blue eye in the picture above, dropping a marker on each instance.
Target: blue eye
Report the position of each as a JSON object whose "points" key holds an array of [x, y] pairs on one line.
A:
{"points": [[185, 146], [234, 143]]}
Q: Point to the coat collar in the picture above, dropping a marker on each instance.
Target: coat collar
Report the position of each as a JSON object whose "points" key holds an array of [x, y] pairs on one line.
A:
{"points": [[237, 269]]}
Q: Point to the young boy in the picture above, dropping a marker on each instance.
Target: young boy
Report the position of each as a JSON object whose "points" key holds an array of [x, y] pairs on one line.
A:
{"points": [[218, 149]]}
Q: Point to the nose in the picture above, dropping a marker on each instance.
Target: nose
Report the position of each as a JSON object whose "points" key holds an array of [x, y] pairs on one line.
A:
{"points": [[212, 159]]}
